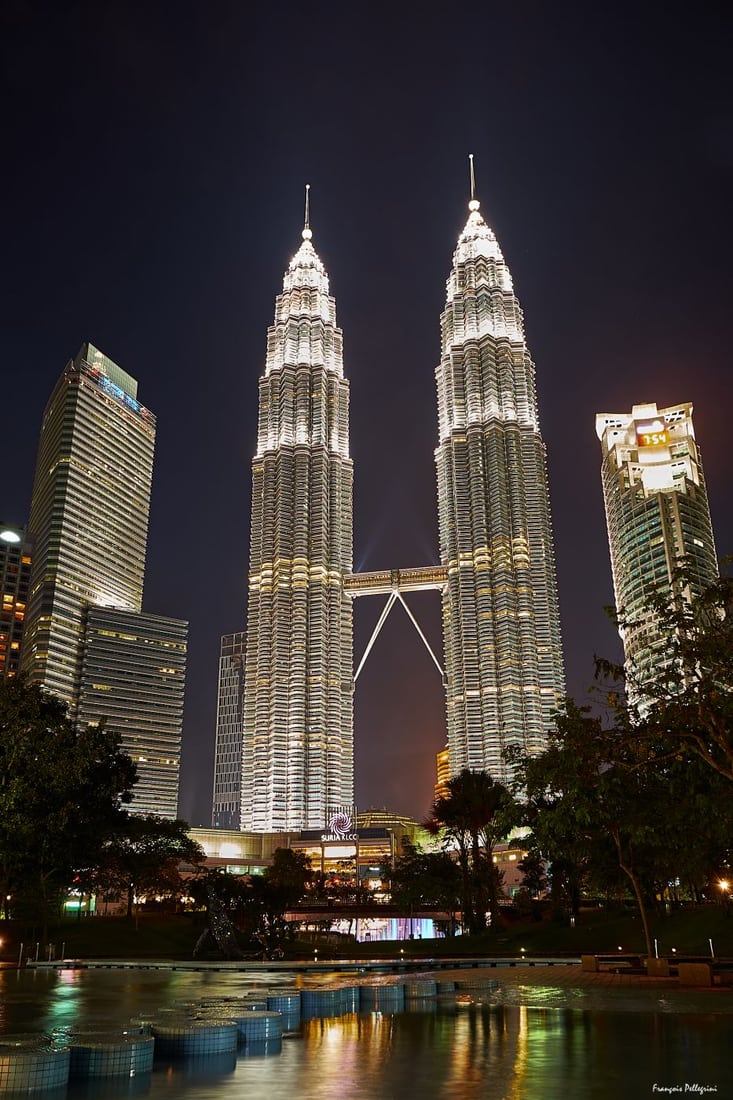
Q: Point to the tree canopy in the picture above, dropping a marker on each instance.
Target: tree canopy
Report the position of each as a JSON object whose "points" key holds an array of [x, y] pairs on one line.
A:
{"points": [[62, 791], [472, 817], [421, 879], [687, 704], [596, 793], [143, 855]]}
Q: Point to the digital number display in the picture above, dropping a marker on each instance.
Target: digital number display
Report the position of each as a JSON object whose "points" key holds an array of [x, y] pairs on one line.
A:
{"points": [[651, 435]]}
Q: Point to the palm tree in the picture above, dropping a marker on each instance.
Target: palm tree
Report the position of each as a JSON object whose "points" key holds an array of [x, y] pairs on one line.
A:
{"points": [[473, 816]]}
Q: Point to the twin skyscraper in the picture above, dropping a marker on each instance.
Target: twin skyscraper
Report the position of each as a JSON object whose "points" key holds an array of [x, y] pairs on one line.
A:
{"points": [[284, 758]]}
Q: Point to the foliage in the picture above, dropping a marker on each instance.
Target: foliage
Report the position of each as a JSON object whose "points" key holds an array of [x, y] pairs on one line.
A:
{"points": [[597, 793], [256, 904], [687, 705], [424, 880], [143, 855], [282, 885], [61, 794], [474, 815]]}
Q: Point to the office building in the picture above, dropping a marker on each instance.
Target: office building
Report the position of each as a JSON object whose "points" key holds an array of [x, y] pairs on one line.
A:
{"points": [[297, 741], [89, 513], [501, 626], [658, 517], [442, 774], [133, 674], [15, 568], [226, 802], [87, 639]]}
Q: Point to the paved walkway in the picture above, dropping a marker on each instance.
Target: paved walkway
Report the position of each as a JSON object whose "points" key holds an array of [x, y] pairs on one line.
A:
{"points": [[564, 977]]}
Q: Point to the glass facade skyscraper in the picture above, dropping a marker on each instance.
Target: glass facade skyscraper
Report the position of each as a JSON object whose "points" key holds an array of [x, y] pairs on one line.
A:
{"points": [[133, 674], [87, 639], [297, 740], [226, 802], [501, 625], [658, 517], [89, 513]]}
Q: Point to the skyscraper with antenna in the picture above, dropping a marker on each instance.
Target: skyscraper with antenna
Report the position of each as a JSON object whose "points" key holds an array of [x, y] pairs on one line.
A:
{"points": [[297, 763], [501, 625], [503, 667]]}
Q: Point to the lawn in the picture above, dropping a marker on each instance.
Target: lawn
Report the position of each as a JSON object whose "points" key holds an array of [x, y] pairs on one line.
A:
{"points": [[596, 931]]}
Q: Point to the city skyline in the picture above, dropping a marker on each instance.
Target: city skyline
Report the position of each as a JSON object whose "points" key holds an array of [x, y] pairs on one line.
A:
{"points": [[153, 212]]}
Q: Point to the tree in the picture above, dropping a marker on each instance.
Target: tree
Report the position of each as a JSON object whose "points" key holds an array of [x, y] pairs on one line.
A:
{"points": [[596, 791], [62, 792], [421, 879], [687, 705], [474, 815], [144, 855], [254, 905]]}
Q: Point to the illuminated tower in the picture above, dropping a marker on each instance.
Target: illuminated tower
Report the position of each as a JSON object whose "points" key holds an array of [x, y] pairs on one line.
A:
{"points": [[15, 569], [297, 740], [86, 638], [657, 514], [89, 513], [501, 627]]}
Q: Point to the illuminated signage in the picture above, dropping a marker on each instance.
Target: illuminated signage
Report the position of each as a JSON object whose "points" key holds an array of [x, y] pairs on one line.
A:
{"points": [[652, 434], [340, 826], [115, 391]]}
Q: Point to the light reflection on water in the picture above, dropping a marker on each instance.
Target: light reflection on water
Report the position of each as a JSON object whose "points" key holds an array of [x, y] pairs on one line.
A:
{"points": [[521, 1043]]}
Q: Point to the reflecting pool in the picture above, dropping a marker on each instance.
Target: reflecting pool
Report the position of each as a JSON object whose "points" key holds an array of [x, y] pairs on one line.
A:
{"points": [[516, 1042]]}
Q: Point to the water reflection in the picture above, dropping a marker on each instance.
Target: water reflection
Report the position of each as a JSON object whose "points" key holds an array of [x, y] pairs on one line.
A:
{"points": [[505, 1045]]}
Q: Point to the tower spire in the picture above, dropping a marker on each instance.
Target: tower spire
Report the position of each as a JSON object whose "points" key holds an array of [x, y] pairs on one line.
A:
{"points": [[307, 234], [474, 203]]}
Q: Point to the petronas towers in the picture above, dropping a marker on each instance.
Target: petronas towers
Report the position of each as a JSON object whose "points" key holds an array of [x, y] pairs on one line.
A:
{"points": [[501, 625], [297, 739], [284, 757]]}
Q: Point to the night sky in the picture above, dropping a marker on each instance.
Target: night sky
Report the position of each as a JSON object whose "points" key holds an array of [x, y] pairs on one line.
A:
{"points": [[155, 157]]}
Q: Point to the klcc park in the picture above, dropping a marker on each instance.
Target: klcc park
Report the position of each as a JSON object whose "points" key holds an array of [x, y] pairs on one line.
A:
{"points": [[548, 913]]}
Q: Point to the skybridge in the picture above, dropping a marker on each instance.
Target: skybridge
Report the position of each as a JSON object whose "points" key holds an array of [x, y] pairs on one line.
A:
{"points": [[394, 583]]}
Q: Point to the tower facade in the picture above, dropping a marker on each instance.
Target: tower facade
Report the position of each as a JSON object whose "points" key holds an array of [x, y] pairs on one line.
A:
{"points": [[133, 676], [88, 515], [15, 571], [86, 638], [227, 798], [658, 516], [297, 739], [501, 626]]}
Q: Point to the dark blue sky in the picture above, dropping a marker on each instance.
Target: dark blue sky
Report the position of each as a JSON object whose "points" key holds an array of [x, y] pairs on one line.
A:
{"points": [[155, 158]]}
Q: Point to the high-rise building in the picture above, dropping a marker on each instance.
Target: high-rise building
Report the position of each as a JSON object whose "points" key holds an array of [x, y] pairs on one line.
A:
{"points": [[658, 518], [501, 626], [86, 638], [297, 742], [442, 773], [226, 803], [89, 513], [15, 569], [133, 674]]}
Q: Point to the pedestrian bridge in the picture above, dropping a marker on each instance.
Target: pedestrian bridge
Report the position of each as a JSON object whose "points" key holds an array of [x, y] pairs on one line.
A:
{"points": [[393, 583], [385, 581]]}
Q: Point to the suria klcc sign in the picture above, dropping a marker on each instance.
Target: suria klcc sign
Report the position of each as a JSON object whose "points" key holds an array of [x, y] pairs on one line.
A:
{"points": [[341, 824]]}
